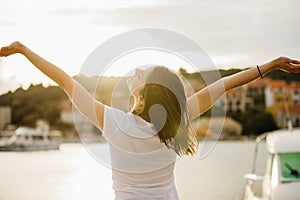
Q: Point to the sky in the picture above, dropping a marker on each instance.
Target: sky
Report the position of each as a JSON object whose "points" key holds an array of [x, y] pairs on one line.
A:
{"points": [[234, 33]]}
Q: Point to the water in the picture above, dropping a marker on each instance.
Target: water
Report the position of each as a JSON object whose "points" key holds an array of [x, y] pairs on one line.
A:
{"points": [[72, 174]]}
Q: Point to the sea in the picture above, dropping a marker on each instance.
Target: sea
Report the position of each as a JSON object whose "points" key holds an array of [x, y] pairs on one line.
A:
{"points": [[72, 173]]}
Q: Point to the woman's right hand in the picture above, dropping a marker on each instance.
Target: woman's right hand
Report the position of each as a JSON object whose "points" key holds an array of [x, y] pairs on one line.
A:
{"points": [[13, 48], [82, 99]]}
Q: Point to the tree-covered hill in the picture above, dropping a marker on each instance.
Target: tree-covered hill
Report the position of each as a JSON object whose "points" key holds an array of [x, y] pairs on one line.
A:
{"points": [[37, 102]]}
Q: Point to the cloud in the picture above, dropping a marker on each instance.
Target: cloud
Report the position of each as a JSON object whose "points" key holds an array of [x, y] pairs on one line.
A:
{"points": [[223, 27], [242, 33]]}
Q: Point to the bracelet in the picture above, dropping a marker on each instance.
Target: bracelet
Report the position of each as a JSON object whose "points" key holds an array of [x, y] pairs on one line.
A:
{"points": [[259, 71]]}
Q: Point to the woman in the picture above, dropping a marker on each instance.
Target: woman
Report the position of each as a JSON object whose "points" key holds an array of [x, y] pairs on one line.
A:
{"points": [[144, 142]]}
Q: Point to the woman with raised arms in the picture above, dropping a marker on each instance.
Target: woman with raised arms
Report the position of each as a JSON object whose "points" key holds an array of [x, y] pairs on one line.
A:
{"points": [[144, 142]]}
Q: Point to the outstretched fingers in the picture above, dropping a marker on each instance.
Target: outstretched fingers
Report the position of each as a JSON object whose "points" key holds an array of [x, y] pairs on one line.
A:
{"points": [[288, 65], [292, 61], [294, 66]]}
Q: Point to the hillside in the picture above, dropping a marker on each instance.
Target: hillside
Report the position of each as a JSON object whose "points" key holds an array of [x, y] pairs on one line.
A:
{"points": [[39, 102]]}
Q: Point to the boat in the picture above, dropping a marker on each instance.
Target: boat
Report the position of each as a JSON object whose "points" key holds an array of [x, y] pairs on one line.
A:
{"points": [[31, 139], [281, 179]]}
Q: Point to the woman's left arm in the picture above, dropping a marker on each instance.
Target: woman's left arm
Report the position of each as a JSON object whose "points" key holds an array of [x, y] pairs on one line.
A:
{"points": [[206, 97]]}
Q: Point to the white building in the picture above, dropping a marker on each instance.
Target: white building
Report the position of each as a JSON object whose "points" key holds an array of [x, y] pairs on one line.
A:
{"points": [[236, 100], [5, 116], [295, 91], [83, 126]]}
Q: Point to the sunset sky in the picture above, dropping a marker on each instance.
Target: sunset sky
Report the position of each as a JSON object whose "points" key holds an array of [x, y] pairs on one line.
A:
{"points": [[234, 33]]}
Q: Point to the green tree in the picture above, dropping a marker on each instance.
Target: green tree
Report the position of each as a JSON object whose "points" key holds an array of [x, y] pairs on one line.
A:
{"points": [[34, 103], [255, 121]]}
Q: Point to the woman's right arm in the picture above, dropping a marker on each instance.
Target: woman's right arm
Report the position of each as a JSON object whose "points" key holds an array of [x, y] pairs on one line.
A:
{"points": [[79, 96]]}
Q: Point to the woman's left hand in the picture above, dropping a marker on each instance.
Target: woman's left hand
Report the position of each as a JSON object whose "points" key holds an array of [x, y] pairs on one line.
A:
{"points": [[287, 64]]}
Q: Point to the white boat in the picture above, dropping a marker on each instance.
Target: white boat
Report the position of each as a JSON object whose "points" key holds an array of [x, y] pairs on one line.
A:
{"points": [[281, 180], [30, 139]]}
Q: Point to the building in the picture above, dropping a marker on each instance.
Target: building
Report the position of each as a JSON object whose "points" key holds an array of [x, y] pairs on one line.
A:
{"points": [[283, 101], [256, 92], [5, 116], [84, 128], [256, 87], [236, 100], [295, 91], [288, 114], [277, 94]]}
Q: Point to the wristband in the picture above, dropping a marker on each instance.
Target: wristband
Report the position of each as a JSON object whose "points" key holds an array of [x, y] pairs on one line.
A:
{"points": [[259, 71]]}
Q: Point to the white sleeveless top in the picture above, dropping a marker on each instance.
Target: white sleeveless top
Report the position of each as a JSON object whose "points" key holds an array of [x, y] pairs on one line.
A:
{"points": [[142, 166]]}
